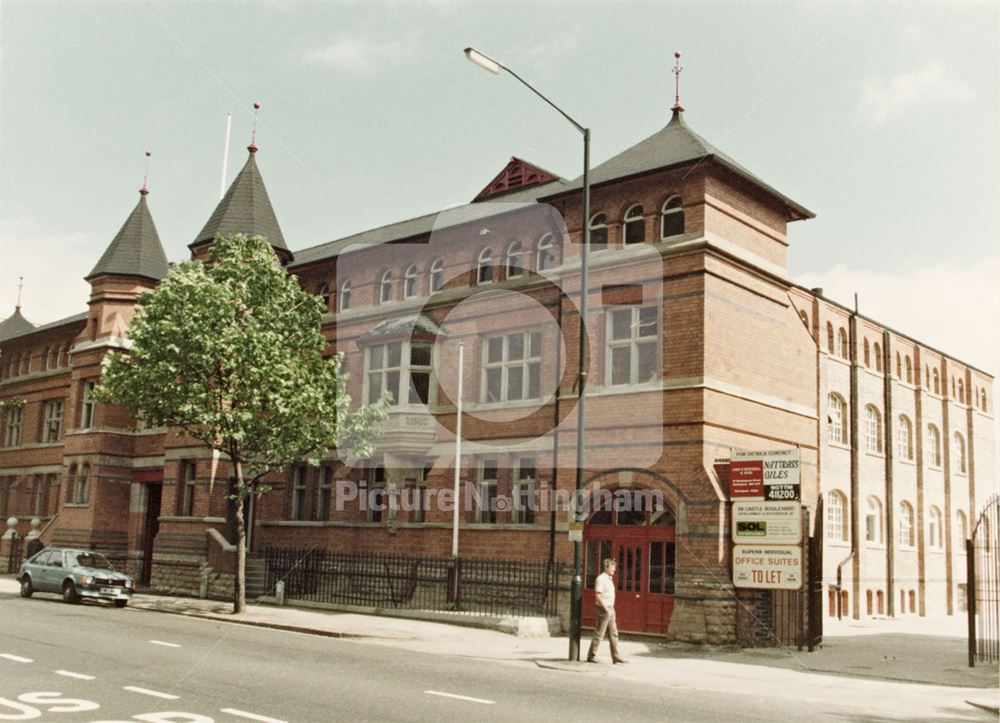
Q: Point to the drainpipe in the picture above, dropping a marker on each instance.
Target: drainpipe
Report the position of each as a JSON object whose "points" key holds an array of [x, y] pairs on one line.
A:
{"points": [[840, 578], [890, 510], [855, 462]]}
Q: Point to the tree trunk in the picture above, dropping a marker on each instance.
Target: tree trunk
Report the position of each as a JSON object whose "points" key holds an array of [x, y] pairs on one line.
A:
{"points": [[239, 600]]}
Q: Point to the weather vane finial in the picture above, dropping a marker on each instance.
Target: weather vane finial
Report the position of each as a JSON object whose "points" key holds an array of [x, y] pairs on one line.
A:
{"points": [[677, 82], [20, 284], [253, 135], [145, 176]]}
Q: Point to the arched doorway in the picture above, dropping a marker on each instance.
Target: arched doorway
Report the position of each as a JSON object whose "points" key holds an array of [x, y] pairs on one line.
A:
{"points": [[638, 531]]}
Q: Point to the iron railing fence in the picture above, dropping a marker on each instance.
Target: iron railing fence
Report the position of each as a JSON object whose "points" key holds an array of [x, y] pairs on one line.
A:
{"points": [[471, 585], [982, 555]]}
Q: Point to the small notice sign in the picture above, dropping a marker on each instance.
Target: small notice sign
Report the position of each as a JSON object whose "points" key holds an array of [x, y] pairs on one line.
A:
{"points": [[771, 474], [763, 522], [769, 567], [576, 531]]}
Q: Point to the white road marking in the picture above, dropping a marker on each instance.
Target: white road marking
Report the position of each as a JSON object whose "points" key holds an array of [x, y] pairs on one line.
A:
{"points": [[71, 674], [461, 697], [168, 645], [147, 691], [16, 658], [251, 716]]}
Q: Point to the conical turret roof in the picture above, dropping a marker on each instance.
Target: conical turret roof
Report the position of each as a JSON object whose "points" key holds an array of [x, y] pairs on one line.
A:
{"points": [[14, 325], [675, 144], [246, 208], [136, 249]]}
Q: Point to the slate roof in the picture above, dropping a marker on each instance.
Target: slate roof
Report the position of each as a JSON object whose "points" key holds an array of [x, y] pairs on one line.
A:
{"points": [[82, 316], [675, 144], [405, 326], [246, 208], [15, 325], [136, 249], [425, 224]]}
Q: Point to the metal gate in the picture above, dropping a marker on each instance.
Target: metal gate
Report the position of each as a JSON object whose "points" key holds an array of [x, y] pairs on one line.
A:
{"points": [[982, 556], [14, 561]]}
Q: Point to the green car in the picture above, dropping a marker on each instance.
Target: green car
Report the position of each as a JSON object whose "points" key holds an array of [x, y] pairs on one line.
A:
{"points": [[76, 575]]}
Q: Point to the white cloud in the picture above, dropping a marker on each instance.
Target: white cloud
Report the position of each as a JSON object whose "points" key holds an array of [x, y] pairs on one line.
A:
{"points": [[53, 264], [356, 55], [885, 99]]}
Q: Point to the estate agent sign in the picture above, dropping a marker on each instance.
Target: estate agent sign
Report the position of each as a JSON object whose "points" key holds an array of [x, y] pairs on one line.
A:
{"points": [[770, 523], [767, 567], [771, 474]]}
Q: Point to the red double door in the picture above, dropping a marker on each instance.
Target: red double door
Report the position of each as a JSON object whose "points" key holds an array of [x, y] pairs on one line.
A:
{"points": [[643, 545]]}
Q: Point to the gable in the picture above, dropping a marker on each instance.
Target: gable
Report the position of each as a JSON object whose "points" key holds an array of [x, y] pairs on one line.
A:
{"points": [[516, 174]]}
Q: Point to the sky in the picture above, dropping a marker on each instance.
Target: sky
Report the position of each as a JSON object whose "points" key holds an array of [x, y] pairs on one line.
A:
{"points": [[881, 117]]}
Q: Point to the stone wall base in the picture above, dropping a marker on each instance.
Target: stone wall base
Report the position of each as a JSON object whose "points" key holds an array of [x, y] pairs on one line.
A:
{"points": [[704, 613]]}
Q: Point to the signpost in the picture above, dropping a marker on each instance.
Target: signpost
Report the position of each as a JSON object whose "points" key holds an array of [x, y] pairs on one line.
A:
{"points": [[765, 488]]}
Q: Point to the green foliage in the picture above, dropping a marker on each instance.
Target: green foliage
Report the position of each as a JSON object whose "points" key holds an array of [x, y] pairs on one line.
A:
{"points": [[12, 403], [231, 353]]}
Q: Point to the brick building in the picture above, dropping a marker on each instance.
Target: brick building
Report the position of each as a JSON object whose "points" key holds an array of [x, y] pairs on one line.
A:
{"points": [[699, 343]]}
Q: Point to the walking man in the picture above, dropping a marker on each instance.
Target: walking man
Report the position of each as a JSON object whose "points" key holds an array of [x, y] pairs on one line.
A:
{"points": [[604, 589]]}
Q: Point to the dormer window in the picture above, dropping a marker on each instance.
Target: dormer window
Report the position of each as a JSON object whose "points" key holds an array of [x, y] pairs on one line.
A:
{"points": [[484, 267], [671, 218], [635, 226]]}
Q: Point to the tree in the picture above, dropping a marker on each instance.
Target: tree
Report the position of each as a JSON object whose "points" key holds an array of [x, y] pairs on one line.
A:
{"points": [[230, 352]]}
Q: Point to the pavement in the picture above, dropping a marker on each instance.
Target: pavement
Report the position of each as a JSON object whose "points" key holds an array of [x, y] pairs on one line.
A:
{"points": [[911, 667]]}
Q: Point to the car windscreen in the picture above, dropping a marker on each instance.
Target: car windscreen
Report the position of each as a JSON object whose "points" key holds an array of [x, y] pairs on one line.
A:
{"points": [[90, 559]]}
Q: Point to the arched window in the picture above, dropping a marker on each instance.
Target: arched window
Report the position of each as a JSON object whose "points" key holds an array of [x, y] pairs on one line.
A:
{"points": [[830, 347], [877, 353], [937, 382], [953, 394], [53, 360], [345, 296], [933, 446], [958, 452], [26, 362], [836, 519], [909, 370], [935, 528], [546, 252], [598, 233], [515, 266], [961, 531], [671, 218], [868, 357], [842, 347], [873, 521], [324, 293], [385, 287], [984, 401], [635, 226], [410, 282], [437, 275], [961, 392], [484, 266], [873, 429], [835, 416], [905, 526], [899, 366], [927, 377], [904, 438], [64, 356]]}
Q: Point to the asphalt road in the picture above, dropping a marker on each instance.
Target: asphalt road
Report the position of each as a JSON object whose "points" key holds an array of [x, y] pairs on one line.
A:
{"points": [[93, 662]]}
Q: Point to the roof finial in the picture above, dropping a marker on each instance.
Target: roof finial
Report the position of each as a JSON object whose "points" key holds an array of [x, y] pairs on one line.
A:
{"points": [[20, 284], [678, 108], [145, 191], [253, 136]]}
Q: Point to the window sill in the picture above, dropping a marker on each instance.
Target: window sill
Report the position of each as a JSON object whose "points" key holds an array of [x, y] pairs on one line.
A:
{"points": [[838, 445], [76, 505]]}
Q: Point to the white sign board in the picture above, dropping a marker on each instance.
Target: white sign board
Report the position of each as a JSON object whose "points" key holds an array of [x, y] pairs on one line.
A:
{"points": [[771, 523], [769, 567], [772, 473]]}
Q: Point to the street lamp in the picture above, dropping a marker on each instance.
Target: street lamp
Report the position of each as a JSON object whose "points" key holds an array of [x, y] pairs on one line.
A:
{"points": [[576, 591]]}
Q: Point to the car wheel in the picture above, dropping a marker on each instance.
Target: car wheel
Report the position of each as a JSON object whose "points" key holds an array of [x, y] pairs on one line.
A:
{"points": [[26, 589], [69, 593], [121, 603]]}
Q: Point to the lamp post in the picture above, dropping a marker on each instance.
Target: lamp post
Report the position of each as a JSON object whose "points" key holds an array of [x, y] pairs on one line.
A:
{"points": [[576, 590]]}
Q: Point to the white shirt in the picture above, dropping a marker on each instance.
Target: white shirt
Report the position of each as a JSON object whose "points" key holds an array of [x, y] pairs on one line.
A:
{"points": [[604, 586]]}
